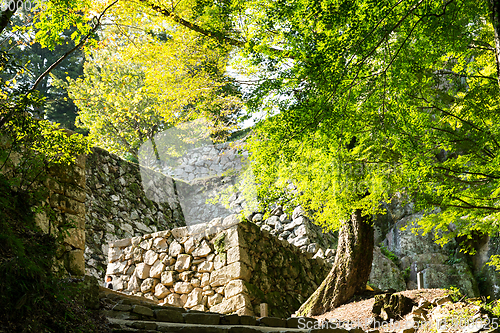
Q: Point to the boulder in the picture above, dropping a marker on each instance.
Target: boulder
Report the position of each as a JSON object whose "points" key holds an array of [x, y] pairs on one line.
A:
{"points": [[183, 287], [148, 285], [206, 267], [174, 300], [150, 257], [385, 274], [175, 249], [194, 298], [142, 270], [391, 306], [168, 278]]}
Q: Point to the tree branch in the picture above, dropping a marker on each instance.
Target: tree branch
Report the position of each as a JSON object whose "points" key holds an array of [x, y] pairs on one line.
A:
{"points": [[219, 36], [64, 56]]}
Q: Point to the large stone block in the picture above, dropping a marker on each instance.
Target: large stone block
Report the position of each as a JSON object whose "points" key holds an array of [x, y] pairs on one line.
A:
{"points": [[238, 253], [235, 237], [206, 267], [230, 272], [235, 287], [157, 269], [142, 270], [168, 278], [76, 238], [148, 285], [150, 257], [183, 287], [232, 304], [385, 274], [121, 243], [175, 248], [174, 300], [202, 250], [214, 299], [161, 291], [114, 254], [194, 298], [117, 267], [134, 284], [75, 262]]}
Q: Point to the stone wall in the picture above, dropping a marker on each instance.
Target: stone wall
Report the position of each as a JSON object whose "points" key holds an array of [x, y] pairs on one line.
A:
{"points": [[224, 266], [211, 160], [204, 172], [282, 275], [195, 198], [124, 200], [63, 197], [66, 196], [299, 230]]}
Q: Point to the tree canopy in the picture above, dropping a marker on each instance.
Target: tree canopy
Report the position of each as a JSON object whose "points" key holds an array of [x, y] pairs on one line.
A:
{"points": [[369, 98], [364, 98]]}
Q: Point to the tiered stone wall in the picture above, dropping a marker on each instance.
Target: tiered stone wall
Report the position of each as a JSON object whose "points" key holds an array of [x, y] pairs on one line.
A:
{"points": [[222, 266], [195, 199], [204, 172], [298, 230], [212, 160], [124, 200]]}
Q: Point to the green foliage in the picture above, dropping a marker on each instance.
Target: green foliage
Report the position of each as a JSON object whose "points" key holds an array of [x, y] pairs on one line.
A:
{"points": [[34, 60], [453, 261], [146, 76], [493, 307], [406, 274], [219, 244], [32, 297], [366, 98], [389, 254], [494, 262], [455, 293], [113, 108]]}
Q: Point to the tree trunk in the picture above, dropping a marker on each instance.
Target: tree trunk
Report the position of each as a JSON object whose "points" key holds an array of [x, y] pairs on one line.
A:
{"points": [[155, 149], [351, 270], [494, 6]]}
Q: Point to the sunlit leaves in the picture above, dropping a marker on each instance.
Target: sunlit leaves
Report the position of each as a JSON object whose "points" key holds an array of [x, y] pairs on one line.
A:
{"points": [[413, 81]]}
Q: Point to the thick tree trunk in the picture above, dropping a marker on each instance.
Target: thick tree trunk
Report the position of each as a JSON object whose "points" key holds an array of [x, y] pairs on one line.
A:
{"points": [[351, 269], [494, 6]]}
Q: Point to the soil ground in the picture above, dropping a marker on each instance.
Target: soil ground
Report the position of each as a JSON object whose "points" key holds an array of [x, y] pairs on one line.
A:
{"points": [[359, 310]]}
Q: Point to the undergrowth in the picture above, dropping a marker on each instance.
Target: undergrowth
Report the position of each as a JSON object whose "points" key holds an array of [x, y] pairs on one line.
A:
{"points": [[33, 298]]}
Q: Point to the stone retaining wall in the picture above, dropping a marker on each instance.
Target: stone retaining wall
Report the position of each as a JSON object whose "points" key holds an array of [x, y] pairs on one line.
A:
{"points": [[298, 230], [211, 160], [66, 196], [124, 200], [224, 266], [63, 193]]}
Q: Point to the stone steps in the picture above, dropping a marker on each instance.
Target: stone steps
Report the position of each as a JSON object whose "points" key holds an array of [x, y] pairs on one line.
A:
{"points": [[136, 314], [120, 325]]}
